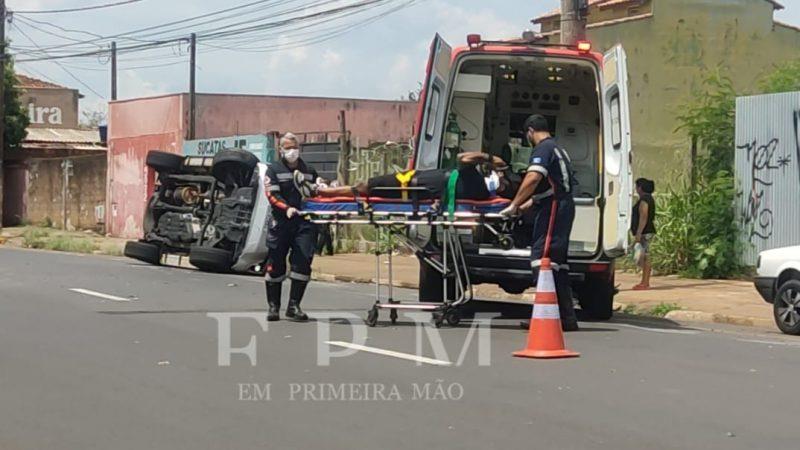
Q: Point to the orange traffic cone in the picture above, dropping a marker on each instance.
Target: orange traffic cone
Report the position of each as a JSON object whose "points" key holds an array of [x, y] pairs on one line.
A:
{"points": [[545, 338]]}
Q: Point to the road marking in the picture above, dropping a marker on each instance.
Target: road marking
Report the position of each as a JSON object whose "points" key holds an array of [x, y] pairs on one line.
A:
{"points": [[393, 354], [758, 341], [101, 295], [658, 330]]}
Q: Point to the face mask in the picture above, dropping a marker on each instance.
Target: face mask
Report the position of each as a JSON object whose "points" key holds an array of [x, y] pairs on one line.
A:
{"points": [[291, 155], [492, 183]]}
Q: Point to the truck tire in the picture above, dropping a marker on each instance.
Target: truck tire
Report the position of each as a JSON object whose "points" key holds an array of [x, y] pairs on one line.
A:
{"points": [[209, 259], [234, 167], [596, 296], [143, 251], [164, 162], [431, 284]]}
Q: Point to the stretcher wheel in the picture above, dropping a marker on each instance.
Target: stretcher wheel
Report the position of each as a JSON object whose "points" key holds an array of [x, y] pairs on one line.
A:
{"points": [[438, 319], [506, 242], [393, 316], [372, 317], [452, 317]]}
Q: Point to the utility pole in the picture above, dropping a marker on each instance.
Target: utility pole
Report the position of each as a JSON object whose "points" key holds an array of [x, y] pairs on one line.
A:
{"points": [[2, 102], [192, 64], [113, 71], [344, 147], [573, 21], [66, 167]]}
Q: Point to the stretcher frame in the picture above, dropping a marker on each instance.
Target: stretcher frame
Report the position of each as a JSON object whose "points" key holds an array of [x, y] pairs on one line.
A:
{"points": [[452, 263]]}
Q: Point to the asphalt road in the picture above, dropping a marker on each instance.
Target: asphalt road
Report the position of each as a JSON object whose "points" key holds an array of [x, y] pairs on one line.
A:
{"points": [[139, 370]]}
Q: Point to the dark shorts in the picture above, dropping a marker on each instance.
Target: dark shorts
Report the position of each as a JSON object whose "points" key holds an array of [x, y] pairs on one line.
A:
{"points": [[470, 185]]}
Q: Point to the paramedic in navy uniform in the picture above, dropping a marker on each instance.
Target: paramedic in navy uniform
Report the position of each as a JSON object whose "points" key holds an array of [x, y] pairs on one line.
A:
{"points": [[550, 179], [288, 231]]}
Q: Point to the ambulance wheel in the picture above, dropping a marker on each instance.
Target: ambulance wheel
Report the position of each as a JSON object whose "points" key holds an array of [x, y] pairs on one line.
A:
{"points": [[164, 162], [372, 317], [596, 296], [453, 318], [431, 284], [393, 316]]}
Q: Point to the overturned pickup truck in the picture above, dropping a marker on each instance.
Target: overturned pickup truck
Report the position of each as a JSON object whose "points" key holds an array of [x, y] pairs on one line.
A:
{"points": [[212, 210]]}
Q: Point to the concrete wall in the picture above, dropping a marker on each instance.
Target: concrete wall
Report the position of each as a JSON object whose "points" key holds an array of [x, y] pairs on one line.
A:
{"points": [[670, 54], [367, 120], [86, 190], [135, 128], [50, 107]]}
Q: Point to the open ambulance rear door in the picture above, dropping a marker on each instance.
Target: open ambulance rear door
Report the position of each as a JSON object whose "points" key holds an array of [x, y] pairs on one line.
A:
{"points": [[618, 177], [433, 106]]}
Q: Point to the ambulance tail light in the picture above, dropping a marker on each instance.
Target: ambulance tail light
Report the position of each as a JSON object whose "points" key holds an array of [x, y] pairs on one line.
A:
{"points": [[598, 268]]}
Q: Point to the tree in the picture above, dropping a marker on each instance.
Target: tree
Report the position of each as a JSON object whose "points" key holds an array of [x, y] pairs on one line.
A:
{"points": [[710, 121], [16, 116], [414, 96], [93, 118], [785, 78]]}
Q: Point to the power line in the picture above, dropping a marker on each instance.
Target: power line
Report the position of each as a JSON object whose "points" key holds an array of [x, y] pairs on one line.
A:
{"points": [[234, 37], [60, 65], [83, 8], [167, 24]]}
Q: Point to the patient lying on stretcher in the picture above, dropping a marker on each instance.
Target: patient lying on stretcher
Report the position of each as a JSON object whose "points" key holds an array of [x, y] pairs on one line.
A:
{"points": [[480, 177]]}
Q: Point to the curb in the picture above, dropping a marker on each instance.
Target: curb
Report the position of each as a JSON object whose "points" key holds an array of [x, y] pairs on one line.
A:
{"points": [[330, 278], [700, 316], [682, 315]]}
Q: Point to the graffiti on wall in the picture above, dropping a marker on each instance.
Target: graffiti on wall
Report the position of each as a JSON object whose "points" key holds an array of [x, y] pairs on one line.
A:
{"points": [[766, 161], [378, 160]]}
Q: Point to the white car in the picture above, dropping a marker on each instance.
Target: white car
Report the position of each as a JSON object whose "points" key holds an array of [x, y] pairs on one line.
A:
{"points": [[778, 282]]}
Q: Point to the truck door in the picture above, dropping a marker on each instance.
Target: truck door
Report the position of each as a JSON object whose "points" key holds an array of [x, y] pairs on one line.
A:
{"points": [[433, 105], [618, 182]]}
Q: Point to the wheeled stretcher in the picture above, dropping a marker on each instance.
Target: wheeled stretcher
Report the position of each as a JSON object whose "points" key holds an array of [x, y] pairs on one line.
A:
{"points": [[392, 217]]}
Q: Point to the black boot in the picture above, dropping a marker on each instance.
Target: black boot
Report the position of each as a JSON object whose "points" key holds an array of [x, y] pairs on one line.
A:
{"points": [[273, 301], [293, 311]]}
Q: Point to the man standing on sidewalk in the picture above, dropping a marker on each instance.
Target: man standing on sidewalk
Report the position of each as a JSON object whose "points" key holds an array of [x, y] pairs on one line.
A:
{"points": [[288, 231]]}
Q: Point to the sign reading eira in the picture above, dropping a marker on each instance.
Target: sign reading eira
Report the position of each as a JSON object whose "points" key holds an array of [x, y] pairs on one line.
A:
{"points": [[42, 115]]}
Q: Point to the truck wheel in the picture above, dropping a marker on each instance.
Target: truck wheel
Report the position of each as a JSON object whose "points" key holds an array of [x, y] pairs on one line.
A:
{"points": [[431, 285], [143, 251], [596, 296], [164, 162], [234, 167], [786, 308], [209, 259]]}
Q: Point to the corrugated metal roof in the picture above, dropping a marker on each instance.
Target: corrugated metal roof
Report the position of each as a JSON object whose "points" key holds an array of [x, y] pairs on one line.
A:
{"points": [[66, 135]]}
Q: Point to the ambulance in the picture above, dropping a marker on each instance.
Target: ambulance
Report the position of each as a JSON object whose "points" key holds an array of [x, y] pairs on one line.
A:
{"points": [[477, 97]]}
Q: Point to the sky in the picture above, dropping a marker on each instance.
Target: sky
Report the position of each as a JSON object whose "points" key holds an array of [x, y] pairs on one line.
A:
{"points": [[385, 59]]}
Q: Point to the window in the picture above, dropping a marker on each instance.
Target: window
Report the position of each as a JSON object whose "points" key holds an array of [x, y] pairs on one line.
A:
{"points": [[616, 122], [433, 109]]}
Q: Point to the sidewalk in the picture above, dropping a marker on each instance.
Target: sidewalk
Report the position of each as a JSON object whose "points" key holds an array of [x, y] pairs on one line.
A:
{"points": [[710, 301]]}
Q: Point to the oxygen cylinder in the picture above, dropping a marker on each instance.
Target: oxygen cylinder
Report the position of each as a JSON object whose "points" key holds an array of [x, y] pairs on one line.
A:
{"points": [[452, 143]]}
